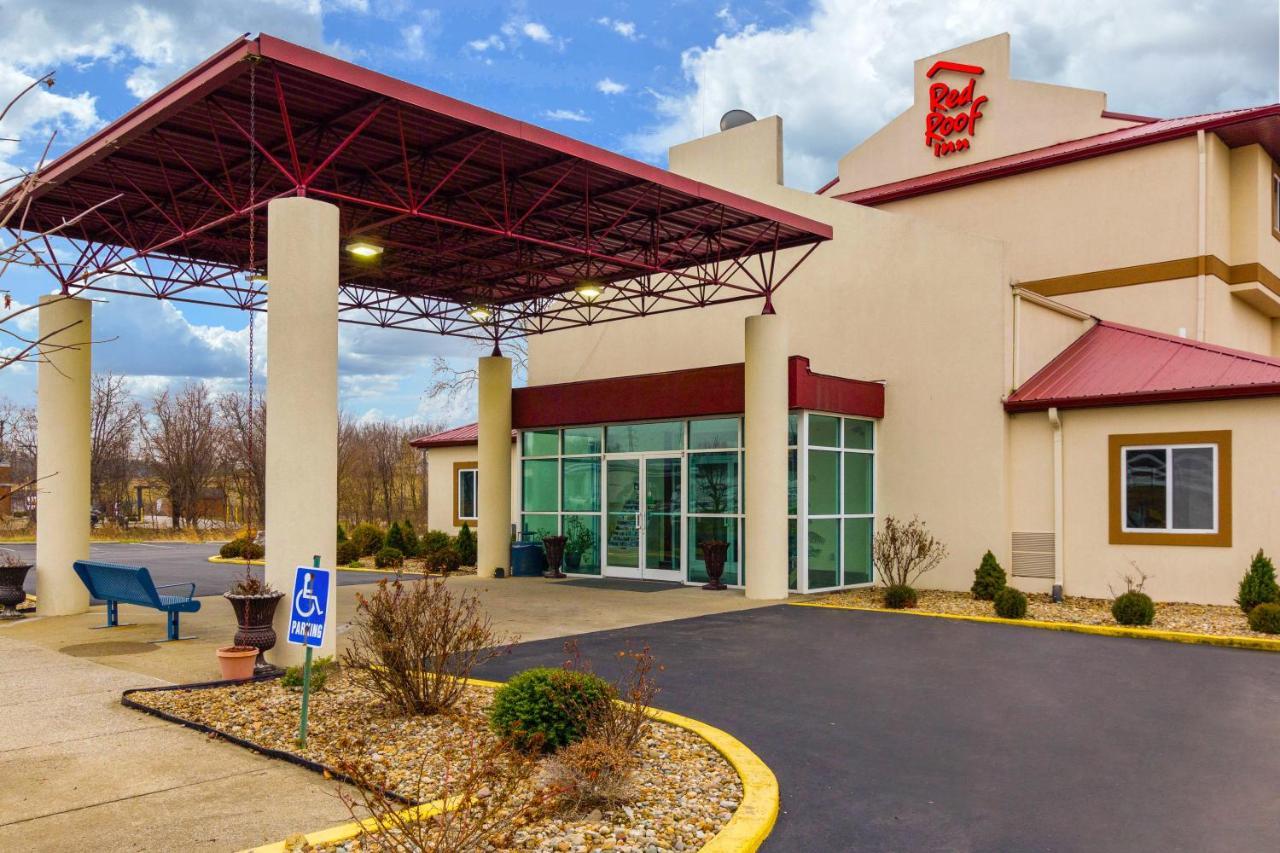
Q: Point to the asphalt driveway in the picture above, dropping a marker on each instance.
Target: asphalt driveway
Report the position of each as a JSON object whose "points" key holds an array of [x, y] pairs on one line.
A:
{"points": [[898, 733]]}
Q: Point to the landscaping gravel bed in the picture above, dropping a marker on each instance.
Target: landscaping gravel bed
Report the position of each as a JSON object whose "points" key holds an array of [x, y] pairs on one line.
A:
{"points": [[1214, 619], [683, 791]]}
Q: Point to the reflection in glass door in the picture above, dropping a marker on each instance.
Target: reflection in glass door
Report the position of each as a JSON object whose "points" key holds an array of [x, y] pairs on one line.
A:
{"points": [[662, 517], [643, 525], [622, 516]]}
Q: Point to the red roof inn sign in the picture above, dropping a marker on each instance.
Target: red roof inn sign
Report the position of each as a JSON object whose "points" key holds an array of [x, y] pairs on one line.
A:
{"points": [[952, 112]]}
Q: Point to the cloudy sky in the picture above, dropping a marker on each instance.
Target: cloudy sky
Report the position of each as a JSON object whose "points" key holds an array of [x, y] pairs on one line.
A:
{"points": [[632, 76]]}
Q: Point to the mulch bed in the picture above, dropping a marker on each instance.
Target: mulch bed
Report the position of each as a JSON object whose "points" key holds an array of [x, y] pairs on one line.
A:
{"points": [[1215, 619]]}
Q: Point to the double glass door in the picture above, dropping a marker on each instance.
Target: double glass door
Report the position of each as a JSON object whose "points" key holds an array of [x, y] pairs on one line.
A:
{"points": [[643, 527]]}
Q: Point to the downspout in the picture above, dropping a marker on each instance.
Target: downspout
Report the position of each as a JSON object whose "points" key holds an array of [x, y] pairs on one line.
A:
{"points": [[1202, 235], [1017, 335], [1055, 421]]}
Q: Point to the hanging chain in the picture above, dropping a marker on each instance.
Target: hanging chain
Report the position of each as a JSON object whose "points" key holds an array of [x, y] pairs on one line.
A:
{"points": [[251, 522]]}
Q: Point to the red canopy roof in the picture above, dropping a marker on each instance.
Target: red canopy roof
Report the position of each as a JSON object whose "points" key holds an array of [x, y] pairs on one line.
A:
{"points": [[1115, 365], [471, 208]]}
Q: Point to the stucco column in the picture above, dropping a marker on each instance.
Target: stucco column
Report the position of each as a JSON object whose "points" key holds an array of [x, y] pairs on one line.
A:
{"points": [[493, 456], [62, 454], [765, 477], [302, 403]]}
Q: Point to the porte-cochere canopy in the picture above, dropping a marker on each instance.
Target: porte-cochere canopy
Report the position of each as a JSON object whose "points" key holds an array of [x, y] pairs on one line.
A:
{"points": [[484, 226]]}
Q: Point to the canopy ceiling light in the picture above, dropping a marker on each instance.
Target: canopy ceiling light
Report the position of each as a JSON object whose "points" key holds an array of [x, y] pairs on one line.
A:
{"points": [[589, 290], [364, 249], [480, 313]]}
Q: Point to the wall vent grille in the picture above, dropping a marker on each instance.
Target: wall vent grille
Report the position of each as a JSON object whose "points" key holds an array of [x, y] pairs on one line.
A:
{"points": [[1033, 555]]}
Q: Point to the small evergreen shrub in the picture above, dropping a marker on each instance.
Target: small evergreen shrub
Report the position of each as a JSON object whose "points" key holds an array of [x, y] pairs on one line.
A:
{"points": [[232, 549], [252, 551], [342, 534], [389, 558], [899, 596], [546, 708], [1010, 603], [1258, 586], [1133, 608], [321, 669], [988, 578], [367, 538], [466, 546], [1265, 618], [444, 560], [410, 539], [347, 553], [432, 541], [395, 538]]}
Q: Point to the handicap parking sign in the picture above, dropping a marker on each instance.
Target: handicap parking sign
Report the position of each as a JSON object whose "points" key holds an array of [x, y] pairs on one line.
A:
{"points": [[310, 601]]}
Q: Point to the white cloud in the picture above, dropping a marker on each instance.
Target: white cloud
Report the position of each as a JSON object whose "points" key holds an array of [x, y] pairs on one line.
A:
{"points": [[493, 42], [626, 29], [514, 31], [845, 69], [537, 32], [611, 87], [566, 115]]}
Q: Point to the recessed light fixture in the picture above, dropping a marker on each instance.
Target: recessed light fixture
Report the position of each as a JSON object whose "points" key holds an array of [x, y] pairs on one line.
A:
{"points": [[364, 249], [480, 313], [589, 290]]}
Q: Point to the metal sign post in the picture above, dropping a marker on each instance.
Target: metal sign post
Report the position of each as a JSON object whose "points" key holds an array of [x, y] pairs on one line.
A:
{"points": [[306, 625]]}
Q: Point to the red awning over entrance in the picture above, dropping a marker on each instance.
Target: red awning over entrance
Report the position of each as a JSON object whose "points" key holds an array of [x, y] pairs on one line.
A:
{"points": [[486, 226]]}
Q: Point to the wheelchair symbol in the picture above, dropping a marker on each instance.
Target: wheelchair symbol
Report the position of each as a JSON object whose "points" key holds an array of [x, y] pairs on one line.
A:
{"points": [[307, 597]]}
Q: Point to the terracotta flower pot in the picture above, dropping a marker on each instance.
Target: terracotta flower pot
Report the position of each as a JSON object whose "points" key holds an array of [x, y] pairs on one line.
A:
{"points": [[237, 662], [11, 592], [254, 617]]}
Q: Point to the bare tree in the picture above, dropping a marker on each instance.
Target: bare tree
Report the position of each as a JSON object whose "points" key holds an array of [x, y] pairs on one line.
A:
{"points": [[115, 418], [449, 382], [243, 451], [182, 447]]}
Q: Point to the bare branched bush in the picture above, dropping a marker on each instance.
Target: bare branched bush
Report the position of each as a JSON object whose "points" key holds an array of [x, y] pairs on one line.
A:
{"points": [[415, 644], [902, 552], [488, 793]]}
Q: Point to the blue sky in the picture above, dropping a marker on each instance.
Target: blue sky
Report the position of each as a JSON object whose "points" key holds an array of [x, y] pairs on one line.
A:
{"points": [[631, 76]]}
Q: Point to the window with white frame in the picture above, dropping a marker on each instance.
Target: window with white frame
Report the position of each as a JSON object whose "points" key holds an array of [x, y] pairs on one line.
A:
{"points": [[1170, 488], [465, 494]]}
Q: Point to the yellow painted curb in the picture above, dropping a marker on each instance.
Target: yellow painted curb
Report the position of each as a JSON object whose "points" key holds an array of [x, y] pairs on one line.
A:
{"points": [[239, 562], [1255, 643], [750, 825], [235, 561]]}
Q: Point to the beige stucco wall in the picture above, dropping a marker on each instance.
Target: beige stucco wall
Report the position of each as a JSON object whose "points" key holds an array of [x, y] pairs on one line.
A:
{"points": [[440, 461], [1042, 334]]}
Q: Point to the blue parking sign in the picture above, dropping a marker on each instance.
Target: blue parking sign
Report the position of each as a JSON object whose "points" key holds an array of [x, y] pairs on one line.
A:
{"points": [[310, 601]]}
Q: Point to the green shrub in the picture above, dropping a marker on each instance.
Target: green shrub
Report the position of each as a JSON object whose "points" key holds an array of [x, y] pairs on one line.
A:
{"points": [[1133, 608], [367, 538], [410, 539], [232, 549], [466, 546], [1010, 603], [395, 538], [389, 558], [899, 596], [1258, 586], [347, 553], [321, 669], [988, 578], [342, 534], [252, 551], [1265, 618], [432, 541], [547, 708], [444, 560]]}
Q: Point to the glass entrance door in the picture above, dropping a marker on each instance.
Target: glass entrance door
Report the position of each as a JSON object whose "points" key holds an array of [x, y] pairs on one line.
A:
{"points": [[643, 522]]}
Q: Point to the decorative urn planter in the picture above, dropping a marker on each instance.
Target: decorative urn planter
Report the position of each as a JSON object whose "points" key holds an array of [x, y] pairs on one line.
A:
{"points": [[11, 591], [237, 662], [554, 548], [254, 615], [714, 552]]}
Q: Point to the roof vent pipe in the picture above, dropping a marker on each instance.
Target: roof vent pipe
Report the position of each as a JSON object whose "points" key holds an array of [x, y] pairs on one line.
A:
{"points": [[735, 118]]}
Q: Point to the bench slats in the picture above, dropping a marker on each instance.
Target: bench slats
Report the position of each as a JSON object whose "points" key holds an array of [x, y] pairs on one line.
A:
{"points": [[115, 583]]}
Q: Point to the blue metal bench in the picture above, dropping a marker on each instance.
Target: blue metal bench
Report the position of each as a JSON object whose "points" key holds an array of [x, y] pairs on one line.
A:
{"points": [[133, 585]]}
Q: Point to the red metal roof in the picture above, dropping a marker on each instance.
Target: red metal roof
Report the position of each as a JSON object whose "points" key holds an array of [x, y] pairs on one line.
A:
{"points": [[456, 437], [1115, 365], [1235, 127], [470, 207]]}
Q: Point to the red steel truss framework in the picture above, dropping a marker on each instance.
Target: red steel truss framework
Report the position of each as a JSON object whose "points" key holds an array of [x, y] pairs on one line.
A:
{"points": [[472, 209]]}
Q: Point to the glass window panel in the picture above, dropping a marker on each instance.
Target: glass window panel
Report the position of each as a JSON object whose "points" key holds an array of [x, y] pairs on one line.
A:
{"points": [[857, 550], [714, 477], [580, 441], [582, 544], [662, 506], [793, 563], [858, 483], [622, 496], [713, 434], [824, 482], [1145, 477], [824, 552], [793, 428], [540, 485], [467, 493], [634, 438], [541, 442], [722, 529], [534, 527], [793, 467], [824, 431], [1193, 488], [859, 435], [580, 491]]}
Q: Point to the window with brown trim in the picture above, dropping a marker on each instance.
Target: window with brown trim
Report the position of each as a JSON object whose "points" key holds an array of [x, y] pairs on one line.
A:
{"points": [[1275, 201], [1170, 488], [466, 497]]}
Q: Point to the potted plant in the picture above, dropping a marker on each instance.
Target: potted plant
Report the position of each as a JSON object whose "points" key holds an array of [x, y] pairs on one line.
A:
{"points": [[715, 547], [553, 546], [714, 484], [254, 603], [578, 541], [13, 571], [237, 662]]}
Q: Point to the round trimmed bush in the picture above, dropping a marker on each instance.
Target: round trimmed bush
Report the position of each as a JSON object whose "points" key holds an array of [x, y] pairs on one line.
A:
{"points": [[547, 708], [252, 551], [1133, 608], [232, 549], [347, 553], [389, 558], [1010, 603], [1258, 586], [988, 578], [1265, 618], [367, 538], [899, 597]]}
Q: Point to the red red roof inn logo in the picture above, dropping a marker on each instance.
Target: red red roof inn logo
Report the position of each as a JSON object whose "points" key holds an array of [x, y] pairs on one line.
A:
{"points": [[952, 112]]}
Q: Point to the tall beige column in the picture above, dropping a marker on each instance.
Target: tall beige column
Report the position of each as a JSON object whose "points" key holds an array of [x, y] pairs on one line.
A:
{"points": [[493, 454], [765, 477], [302, 403], [62, 454]]}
